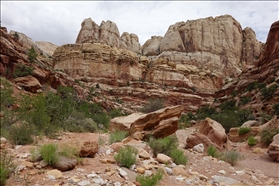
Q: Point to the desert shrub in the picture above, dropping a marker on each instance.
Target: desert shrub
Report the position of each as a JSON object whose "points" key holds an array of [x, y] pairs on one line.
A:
{"points": [[152, 105], [178, 157], [251, 86], [267, 135], [6, 166], [252, 141], [228, 105], [69, 151], [6, 98], [117, 136], [21, 134], [126, 156], [35, 154], [243, 130], [49, 153], [150, 180], [185, 119], [205, 111], [115, 113], [212, 151], [22, 70], [231, 157], [163, 145], [244, 100], [32, 55], [268, 92]]}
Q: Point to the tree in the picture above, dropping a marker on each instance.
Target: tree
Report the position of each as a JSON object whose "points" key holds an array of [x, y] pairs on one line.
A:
{"points": [[32, 55]]}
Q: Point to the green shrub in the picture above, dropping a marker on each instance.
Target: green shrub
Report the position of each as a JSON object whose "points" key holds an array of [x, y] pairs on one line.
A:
{"points": [[178, 157], [6, 166], [251, 86], [115, 113], [22, 70], [21, 134], [6, 98], [268, 92], [163, 145], [126, 156], [212, 151], [244, 100], [49, 153], [205, 111], [152, 105], [185, 120], [117, 136], [243, 130], [231, 157], [252, 141], [67, 150], [32, 55], [267, 135], [150, 180], [228, 105], [276, 109]]}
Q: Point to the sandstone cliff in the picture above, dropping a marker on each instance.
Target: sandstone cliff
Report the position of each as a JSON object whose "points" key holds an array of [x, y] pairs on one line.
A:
{"points": [[107, 33], [259, 84]]}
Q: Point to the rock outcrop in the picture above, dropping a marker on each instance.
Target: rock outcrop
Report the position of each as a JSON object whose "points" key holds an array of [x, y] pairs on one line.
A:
{"points": [[107, 33], [159, 124], [260, 82], [273, 149]]}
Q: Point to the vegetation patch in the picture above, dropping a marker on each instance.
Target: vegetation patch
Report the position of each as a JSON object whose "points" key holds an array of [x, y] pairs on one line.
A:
{"points": [[212, 151], [49, 153], [117, 136], [231, 157], [150, 180], [243, 130], [252, 141], [152, 105], [6, 166], [126, 156], [267, 135]]}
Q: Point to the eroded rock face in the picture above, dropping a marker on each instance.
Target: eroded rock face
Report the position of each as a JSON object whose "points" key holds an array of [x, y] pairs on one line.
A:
{"points": [[273, 148], [159, 124], [29, 83], [107, 33], [152, 46]]}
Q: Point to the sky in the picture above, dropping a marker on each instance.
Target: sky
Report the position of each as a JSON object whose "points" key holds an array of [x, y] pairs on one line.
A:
{"points": [[59, 22]]}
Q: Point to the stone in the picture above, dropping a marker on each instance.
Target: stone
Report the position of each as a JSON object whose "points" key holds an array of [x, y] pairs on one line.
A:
{"points": [[199, 148], [56, 174], [29, 83], [169, 170], [162, 158], [65, 164], [180, 171], [214, 131], [27, 164], [131, 175], [84, 183], [140, 170], [240, 173], [88, 149], [273, 148], [3, 140], [225, 180], [222, 172], [198, 138], [250, 123], [143, 154]]}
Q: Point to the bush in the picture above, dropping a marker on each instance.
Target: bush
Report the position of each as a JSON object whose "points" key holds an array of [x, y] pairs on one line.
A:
{"points": [[267, 135], [117, 136], [6, 166], [163, 145], [32, 55], [252, 141], [152, 105], [150, 180], [268, 92], [22, 70], [168, 146], [243, 130], [49, 153], [178, 157], [21, 134], [244, 100], [231, 157], [212, 151], [228, 105], [276, 109], [126, 156]]}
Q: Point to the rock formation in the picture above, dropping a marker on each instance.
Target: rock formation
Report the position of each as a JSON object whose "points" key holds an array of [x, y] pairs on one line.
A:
{"points": [[260, 82], [107, 33], [159, 124], [273, 148]]}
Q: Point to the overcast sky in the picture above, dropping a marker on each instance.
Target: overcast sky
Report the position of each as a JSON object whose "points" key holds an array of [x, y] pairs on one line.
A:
{"points": [[60, 22]]}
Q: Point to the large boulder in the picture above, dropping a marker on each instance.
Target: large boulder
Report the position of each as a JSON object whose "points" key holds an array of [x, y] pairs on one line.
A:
{"points": [[273, 148], [88, 149], [29, 83], [214, 131], [65, 164], [159, 124], [235, 137]]}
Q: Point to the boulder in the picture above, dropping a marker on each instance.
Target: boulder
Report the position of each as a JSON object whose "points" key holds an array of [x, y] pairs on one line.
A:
{"points": [[214, 131], [65, 164], [152, 46], [162, 158], [273, 149], [159, 124], [250, 123], [29, 83], [198, 138], [272, 124], [199, 148], [235, 137], [88, 149]]}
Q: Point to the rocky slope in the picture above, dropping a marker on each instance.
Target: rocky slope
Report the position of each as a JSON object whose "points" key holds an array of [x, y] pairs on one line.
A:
{"points": [[260, 82]]}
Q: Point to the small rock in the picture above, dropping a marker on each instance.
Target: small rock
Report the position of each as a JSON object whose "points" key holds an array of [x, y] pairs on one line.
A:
{"points": [[225, 180], [3, 140], [148, 173], [99, 181], [55, 173], [270, 181], [162, 158], [169, 170], [84, 183], [116, 184], [123, 173], [143, 154], [179, 178], [203, 178], [19, 168], [43, 163], [254, 178], [199, 148], [27, 164], [240, 173], [180, 171], [222, 172], [140, 170], [74, 179], [80, 170]]}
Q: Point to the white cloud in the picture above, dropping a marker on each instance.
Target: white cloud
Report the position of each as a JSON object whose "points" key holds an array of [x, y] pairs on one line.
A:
{"points": [[59, 22]]}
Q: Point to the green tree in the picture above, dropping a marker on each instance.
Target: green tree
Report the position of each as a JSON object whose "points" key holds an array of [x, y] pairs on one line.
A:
{"points": [[32, 55]]}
